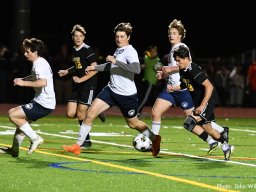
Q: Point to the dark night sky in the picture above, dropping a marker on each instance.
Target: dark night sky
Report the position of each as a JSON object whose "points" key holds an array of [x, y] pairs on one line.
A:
{"points": [[212, 29]]}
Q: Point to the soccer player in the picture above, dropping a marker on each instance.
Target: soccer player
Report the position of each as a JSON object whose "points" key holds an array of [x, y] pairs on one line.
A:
{"points": [[180, 98], [121, 90], [41, 79], [84, 85], [204, 96]]}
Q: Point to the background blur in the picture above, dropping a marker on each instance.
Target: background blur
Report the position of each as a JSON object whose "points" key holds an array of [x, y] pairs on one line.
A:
{"points": [[221, 37]]}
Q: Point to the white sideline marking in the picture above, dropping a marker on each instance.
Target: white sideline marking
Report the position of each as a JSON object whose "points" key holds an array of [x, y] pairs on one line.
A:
{"points": [[128, 146]]}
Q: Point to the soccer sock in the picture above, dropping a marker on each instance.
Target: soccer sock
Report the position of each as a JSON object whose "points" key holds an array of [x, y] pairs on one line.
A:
{"points": [[156, 127], [225, 146], [88, 136], [83, 132], [17, 139], [148, 133], [204, 136], [26, 128], [217, 127]]}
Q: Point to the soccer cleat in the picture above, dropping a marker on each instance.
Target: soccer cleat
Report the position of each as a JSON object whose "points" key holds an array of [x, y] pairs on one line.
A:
{"points": [[35, 143], [227, 152], [156, 145], [213, 147], [225, 133], [102, 117], [86, 144], [9, 150], [75, 148]]}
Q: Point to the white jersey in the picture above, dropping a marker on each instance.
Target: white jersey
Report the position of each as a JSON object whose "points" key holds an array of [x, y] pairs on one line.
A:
{"points": [[122, 81], [45, 96], [174, 79]]}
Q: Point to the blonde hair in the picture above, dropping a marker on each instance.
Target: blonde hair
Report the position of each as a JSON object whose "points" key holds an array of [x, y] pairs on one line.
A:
{"points": [[79, 28], [177, 24]]}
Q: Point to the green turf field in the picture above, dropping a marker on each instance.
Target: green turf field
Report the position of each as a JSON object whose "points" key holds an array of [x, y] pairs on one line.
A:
{"points": [[113, 165]]}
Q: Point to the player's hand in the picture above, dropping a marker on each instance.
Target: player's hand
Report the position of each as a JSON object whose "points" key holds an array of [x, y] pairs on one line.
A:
{"points": [[89, 68], [159, 75], [18, 81], [111, 59], [76, 79], [62, 72]]}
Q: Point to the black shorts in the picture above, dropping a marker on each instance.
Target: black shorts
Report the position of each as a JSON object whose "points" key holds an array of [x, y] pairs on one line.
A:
{"points": [[35, 111], [208, 114], [82, 96], [127, 104]]}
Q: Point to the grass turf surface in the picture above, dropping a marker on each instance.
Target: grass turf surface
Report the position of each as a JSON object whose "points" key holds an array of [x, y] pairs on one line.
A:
{"points": [[111, 164]]}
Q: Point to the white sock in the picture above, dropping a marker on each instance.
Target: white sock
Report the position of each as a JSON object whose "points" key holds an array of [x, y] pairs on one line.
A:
{"points": [[83, 132], [225, 146], [17, 139], [156, 127], [217, 127], [148, 133], [210, 140], [26, 128]]}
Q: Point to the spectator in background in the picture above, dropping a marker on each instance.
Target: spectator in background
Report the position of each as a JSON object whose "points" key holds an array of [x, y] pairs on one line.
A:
{"points": [[221, 82], [237, 82], [4, 72], [62, 85], [251, 84], [151, 65]]}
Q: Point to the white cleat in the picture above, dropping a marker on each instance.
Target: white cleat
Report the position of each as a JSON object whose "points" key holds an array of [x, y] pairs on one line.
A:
{"points": [[35, 143]]}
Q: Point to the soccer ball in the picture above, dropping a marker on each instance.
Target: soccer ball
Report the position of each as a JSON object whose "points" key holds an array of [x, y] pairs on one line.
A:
{"points": [[142, 143]]}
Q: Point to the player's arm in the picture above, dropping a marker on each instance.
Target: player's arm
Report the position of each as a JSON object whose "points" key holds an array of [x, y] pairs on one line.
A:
{"points": [[207, 94], [66, 71], [132, 67], [170, 69], [24, 83], [86, 76]]}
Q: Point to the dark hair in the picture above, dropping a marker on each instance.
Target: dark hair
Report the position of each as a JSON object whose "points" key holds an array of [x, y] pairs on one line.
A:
{"points": [[181, 52], [126, 27], [34, 45]]}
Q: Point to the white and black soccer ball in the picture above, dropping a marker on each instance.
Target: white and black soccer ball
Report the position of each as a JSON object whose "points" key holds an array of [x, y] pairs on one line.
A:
{"points": [[142, 143]]}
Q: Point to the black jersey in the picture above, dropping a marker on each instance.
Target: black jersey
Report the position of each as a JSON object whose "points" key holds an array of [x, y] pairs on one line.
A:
{"points": [[192, 79], [81, 59]]}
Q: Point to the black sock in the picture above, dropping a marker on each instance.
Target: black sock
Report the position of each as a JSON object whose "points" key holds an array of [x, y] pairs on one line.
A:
{"points": [[203, 135], [80, 122]]}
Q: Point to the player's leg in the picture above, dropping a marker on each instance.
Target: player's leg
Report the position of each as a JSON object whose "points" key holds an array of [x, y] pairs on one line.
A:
{"points": [[81, 114], [98, 106], [185, 102], [161, 105]]}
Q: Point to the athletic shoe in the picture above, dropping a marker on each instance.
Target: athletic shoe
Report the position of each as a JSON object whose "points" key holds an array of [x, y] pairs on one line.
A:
{"points": [[75, 148], [9, 150], [213, 147], [156, 145], [86, 144], [35, 143], [227, 152], [102, 117], [225, 133]]}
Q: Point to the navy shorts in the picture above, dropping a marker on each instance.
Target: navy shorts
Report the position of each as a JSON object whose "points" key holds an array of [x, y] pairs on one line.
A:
{"points": [[35, 111], [82, 96], [180, 98], [127, 104]]}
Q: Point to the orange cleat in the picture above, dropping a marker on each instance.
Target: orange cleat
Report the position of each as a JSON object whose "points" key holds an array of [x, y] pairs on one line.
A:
{"points": [[156, 145], [75, 148]]}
